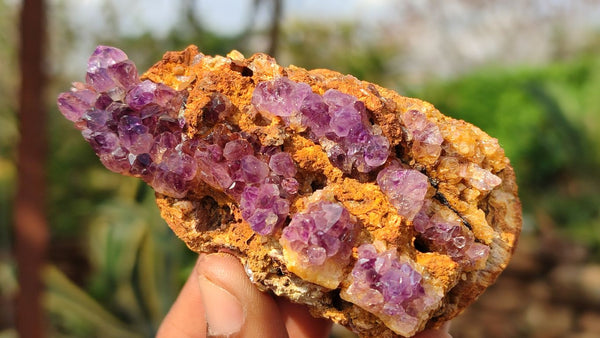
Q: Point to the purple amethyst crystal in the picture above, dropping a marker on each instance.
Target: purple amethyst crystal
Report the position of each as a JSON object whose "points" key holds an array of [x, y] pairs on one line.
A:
{"points": [[344, 120], [315, 114], [323, 231], [75, 103], [263, 208], [336, 120], [281, 97], [253, 170], [180, 164], [425, 135], [106, 142], [236, 149], [376, 151], [101, 73], [112, 110], [95, 119], [388, 286], [162, 143], [124, 73], [211, 167], [405, 189], [282, 164], [134, 135], [117, 160], [446, 234], [103, 57], [148, 92], [290, 186]]}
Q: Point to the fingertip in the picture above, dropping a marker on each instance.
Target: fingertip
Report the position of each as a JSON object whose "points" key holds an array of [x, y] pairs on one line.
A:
{"points": [[224, 313], [262, 316]]}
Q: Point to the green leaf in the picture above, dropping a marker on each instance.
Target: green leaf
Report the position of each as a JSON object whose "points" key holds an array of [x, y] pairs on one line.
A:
{"points": [[77, 311]]}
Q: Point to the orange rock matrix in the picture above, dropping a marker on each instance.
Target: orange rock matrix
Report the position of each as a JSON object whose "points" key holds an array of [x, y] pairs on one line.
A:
{"points": [[208, 220]]}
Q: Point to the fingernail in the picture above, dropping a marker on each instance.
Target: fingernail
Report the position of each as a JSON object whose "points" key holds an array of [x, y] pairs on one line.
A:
{"points": [[224, 313]]}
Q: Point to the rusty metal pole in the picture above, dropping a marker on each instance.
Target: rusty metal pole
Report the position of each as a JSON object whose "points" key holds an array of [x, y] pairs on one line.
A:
{"points": [[31, 230]]}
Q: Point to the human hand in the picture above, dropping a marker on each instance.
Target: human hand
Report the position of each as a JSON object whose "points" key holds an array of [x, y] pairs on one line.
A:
{"points": [[218, 300]]}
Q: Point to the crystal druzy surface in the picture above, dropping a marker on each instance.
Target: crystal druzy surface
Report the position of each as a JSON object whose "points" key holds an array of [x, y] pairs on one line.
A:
{"points": [[335, 120], [132, 125], [389, 286], [138, 127]]}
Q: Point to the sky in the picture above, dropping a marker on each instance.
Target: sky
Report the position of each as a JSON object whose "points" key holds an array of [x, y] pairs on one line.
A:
{"points": [[224, 16], [219, 16], [467, 35], [91, 18]]}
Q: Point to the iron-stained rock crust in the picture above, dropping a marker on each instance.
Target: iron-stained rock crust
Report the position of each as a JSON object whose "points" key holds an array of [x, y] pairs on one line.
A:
{"points": [[209, 221]]}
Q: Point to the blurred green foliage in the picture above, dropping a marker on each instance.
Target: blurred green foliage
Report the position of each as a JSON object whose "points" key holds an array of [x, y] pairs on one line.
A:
{"points": [[8, 122], [134, 265], [8, 171]]}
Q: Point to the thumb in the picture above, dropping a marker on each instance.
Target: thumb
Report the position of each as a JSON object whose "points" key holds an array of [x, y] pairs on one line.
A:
{"points": [[231, 305], [223, 282]]}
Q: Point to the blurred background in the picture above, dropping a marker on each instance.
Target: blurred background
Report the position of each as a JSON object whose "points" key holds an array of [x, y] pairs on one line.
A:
{"points": [[527, 72]]}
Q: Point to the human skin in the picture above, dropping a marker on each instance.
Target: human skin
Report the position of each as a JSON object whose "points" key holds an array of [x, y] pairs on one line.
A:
{"points": [[218, 300]]}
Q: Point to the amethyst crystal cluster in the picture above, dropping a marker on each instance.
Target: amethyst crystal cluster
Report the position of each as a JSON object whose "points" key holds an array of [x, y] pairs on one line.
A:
{"points": [[324, 230], [317, 244], [259, 178], [137, 128], [132, 125], [425, 136], [388, 286], [446, 233], [336, 120]]}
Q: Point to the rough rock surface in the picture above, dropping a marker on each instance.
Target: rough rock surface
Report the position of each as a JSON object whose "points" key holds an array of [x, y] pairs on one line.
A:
{"points": [[422, 210]]}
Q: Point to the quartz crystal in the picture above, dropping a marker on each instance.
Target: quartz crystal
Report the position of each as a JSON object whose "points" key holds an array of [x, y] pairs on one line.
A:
{"points": [[336, 120], [445, 233], [405, 189], [263, 207], [480, 178], [318, 243], [280, 97], [113, 111], [390, 287], [324, 230], [425, 136]]}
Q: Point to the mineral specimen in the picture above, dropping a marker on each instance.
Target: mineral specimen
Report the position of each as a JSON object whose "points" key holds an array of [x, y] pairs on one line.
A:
{"points": [[389, 287], [373, 209], [317, 243]]}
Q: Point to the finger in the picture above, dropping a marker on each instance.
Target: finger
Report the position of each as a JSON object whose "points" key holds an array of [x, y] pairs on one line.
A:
{"points": [[233, 305], [186, 317], [442, 332], [299, 323]]}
